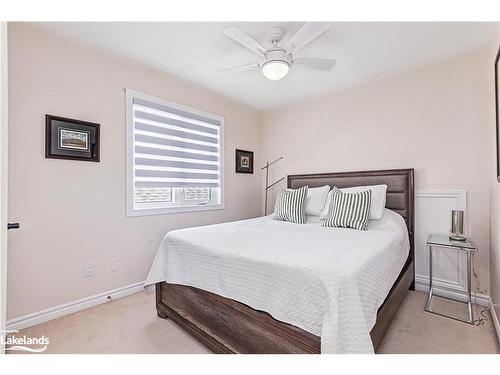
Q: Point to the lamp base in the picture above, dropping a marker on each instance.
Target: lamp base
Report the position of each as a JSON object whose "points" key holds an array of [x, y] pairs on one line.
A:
{"points": [[457, 237]]}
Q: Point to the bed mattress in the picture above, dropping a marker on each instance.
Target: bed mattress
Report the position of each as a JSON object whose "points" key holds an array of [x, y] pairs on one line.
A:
{"points": [[327, 281]]}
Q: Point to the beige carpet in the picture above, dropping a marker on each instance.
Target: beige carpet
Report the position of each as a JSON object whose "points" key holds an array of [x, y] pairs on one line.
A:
{"points": [[130, 325]]}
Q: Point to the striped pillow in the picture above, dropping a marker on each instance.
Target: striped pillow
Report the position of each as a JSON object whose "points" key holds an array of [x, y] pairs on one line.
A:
{"points": [[349, 210], [291, 205]]}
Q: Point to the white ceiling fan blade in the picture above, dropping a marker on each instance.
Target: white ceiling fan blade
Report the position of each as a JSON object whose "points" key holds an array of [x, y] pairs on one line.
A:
{"points": [[315, 63], [306, 34], [241, 68], [244, 39]]}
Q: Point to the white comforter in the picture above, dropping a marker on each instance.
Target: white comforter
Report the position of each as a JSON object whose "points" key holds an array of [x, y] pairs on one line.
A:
{"points": [[327, 281]]}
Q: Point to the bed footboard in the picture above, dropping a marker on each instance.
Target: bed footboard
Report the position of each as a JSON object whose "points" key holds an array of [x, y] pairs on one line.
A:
{"points": [[228, 326]]}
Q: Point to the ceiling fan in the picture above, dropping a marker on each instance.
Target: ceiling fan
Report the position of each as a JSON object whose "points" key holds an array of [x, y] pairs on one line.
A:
{"points": [[275, 62]]}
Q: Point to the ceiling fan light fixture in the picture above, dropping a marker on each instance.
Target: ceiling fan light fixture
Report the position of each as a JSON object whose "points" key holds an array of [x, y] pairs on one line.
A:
{"points": [[275, 70]]}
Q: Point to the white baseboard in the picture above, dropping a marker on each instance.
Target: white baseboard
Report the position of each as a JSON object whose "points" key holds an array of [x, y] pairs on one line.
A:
{"points": [[71, 307], [449, 290], [494, 317]]}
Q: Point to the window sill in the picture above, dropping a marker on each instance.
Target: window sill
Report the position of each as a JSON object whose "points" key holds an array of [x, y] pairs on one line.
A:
{"points": [[174, 210]]}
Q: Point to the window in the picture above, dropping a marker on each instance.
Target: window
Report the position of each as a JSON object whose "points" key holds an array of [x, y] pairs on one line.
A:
{"points": [[174, 157]]}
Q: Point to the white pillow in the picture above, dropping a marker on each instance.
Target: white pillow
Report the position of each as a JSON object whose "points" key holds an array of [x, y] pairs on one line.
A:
{"points": [[324, 214], [315, 200], [378, 200]]}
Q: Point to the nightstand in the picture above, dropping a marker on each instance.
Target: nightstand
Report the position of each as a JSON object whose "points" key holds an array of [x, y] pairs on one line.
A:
{"points": [[442, 241]]}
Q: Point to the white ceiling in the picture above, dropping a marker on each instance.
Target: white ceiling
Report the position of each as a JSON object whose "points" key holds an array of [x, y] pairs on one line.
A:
{"points": [[197, 51]]}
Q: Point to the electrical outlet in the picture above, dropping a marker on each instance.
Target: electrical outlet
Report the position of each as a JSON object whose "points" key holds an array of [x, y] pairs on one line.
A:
{"points": [[114, 265], [89, 269]]}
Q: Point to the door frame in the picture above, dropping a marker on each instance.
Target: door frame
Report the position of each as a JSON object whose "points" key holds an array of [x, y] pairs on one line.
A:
{"points": [[3, 178]]}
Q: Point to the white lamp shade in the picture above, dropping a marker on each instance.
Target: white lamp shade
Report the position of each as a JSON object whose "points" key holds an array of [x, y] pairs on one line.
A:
{"points": [[275, 70]]}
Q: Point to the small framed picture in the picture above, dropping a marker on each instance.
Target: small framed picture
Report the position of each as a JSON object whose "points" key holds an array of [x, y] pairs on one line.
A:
{"points": [[71, 139], [244, 161]]}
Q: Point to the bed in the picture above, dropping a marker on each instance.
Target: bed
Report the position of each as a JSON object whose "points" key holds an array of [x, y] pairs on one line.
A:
{"points": [[250, 287]]}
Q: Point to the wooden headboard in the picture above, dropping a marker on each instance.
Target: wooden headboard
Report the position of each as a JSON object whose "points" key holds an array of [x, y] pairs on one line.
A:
{"points": [[400, 189]]}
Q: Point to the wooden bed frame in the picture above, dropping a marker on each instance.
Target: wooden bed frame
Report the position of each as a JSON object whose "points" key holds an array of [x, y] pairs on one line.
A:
{"points": [[228, 326]]}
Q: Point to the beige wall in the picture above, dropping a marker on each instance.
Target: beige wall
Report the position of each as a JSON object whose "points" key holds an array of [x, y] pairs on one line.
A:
{"points": [[74, 212], [435, 118]]}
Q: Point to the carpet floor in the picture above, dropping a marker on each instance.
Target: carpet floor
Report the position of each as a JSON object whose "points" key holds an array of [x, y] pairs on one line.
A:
{"points": [[130, 325]]}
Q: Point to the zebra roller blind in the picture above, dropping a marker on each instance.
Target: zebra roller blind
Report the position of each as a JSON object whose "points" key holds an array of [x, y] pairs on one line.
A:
{"points": [[174, 148], [176, 152]]}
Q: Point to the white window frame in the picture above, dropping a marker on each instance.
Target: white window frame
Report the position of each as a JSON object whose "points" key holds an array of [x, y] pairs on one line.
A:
{"points": [[131, 211]]}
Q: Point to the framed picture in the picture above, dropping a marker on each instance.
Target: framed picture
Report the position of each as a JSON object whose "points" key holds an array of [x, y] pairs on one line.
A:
{"points": [[244, 161], [497, 110], [67, 138]]}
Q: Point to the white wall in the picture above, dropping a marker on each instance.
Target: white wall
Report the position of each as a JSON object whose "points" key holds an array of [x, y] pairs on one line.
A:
{"points": [[494, 196], [3, 176], [73, 212], [435, 118]]}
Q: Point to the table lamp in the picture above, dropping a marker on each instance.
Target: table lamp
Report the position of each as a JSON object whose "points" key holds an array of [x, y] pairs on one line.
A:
{"points": [[457, 226]]}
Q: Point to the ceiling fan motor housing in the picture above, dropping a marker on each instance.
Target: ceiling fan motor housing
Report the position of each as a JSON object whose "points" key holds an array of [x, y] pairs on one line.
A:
{"points": [[278, 54]]}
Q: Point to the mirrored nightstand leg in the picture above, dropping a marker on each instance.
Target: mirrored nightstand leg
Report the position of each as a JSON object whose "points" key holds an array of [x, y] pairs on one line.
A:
{"points": [[429, 297], [469, 287]]}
